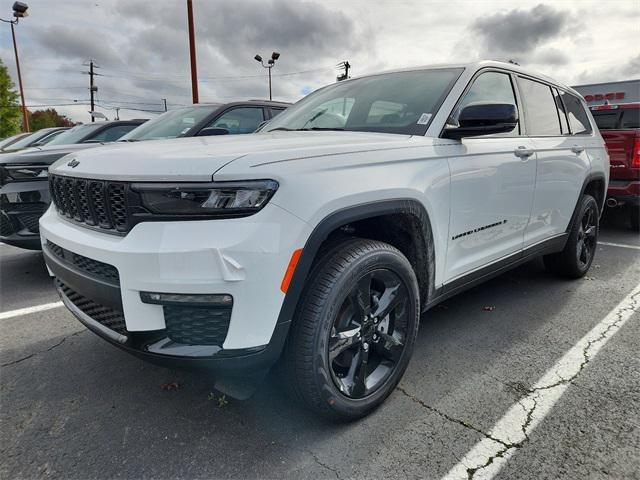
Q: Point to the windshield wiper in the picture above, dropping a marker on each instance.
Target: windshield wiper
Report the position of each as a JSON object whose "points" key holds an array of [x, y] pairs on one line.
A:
{"points": [[285, 129], [320, 128]]}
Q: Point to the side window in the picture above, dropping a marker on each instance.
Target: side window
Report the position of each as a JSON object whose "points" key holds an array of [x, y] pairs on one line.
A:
{"points": [[561, 113], [275, 111], [490, 87], [112, 134], [630, 118], [578, 118], [540, 108], [240, 120]]}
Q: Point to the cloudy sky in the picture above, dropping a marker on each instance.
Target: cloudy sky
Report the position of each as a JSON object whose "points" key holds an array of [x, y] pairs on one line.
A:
{"points": [[142, 51]]}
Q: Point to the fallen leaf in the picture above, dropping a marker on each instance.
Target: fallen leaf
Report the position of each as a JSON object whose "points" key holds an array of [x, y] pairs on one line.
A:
{"points": [[172, 386]]}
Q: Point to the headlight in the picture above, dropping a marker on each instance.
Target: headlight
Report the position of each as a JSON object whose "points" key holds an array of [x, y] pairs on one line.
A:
{"points": [[213, 199], [23, 172]]}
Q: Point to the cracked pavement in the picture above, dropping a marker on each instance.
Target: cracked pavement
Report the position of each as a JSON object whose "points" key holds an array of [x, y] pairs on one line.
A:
{"points": [[75, 407]]}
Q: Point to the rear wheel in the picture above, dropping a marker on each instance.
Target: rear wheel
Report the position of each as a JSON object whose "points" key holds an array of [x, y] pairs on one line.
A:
{"points": [[355, 329], [576, 258]]}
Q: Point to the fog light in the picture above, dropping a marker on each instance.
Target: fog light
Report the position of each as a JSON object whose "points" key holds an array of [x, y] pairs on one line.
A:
{"points": [[202, 299]]}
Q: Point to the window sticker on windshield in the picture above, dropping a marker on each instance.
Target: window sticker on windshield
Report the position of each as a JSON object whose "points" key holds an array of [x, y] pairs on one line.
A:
{"points": [[424, 119]]}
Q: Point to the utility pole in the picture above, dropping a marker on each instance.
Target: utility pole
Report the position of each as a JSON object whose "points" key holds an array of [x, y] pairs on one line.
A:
{"points": [[344, 75], [25, 114], [92, 87], [192, 52], [19, 11], [165, 104]]}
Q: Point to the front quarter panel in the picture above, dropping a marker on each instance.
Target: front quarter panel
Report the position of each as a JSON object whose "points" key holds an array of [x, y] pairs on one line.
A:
{"points": [[314, 188]]}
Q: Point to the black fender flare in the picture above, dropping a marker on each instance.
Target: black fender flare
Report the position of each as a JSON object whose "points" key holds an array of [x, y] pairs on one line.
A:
{"points": [[594, 176], [322, 231]]}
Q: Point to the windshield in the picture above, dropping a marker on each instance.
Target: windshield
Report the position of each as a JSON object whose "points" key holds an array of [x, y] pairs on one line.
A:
{"points": [[28, 140], [170, 124], [75, 134], [12, 139], [400, 102]]}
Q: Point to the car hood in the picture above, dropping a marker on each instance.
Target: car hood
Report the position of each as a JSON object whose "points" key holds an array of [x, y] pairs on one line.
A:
{"points": [[198, 158], [46, 154]]}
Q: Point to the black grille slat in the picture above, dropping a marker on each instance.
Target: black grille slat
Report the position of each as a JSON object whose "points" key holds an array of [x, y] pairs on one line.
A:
{"points": [[96, 194], [106, 316], [197, 325], [94, 203], [117, 203], [83, 202], [94, 268]]}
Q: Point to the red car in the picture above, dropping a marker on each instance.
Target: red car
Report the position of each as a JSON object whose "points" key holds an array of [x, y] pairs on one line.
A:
{"points": [[620, 128]]}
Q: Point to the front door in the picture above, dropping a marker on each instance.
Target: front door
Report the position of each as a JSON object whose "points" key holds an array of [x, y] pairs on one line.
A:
{"points": [[492, 186]]}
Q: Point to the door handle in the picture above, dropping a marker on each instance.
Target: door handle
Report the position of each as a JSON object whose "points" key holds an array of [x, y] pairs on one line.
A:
{"points": [[523, 152], [577, 149]]}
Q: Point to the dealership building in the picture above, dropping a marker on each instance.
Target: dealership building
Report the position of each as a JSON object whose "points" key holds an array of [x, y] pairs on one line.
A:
{"points": [[611, 92]]}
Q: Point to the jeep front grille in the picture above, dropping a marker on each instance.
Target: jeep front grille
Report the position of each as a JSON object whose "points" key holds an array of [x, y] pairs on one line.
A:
{"points": [[95, 203]]}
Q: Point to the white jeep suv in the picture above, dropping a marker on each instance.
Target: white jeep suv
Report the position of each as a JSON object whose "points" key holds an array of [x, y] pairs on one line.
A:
{"points": [[320, 240]]}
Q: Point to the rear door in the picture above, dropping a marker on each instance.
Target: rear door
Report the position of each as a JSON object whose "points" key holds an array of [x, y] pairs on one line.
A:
{"points": [[492, 185], [562, 159]]}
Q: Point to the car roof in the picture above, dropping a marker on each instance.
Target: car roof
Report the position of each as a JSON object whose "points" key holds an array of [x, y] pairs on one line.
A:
{"points": [[475, 66]]}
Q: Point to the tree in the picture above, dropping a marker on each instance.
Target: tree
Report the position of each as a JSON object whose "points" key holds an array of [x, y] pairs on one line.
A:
{"points": [[48, 118], [10, 113]]}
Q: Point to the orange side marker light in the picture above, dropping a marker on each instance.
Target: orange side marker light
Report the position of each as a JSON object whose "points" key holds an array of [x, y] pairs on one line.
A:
{"points": [[288, 275]]}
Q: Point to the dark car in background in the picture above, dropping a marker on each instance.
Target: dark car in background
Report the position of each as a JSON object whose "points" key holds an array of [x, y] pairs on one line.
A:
{"points": [[208, 119], [38, 138], [620, 128], [24, 192]]}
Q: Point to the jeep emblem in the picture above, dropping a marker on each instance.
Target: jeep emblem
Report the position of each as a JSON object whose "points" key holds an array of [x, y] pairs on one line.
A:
{"points": [[73, 163]]}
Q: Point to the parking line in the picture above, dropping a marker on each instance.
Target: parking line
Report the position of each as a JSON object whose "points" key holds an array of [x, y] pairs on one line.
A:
{"points": [[621, 245], [513, 430], [28, 310]]}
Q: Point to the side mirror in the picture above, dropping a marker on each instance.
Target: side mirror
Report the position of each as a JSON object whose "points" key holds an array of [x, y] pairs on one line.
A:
{"points": [[483, 119], [209, 131]]}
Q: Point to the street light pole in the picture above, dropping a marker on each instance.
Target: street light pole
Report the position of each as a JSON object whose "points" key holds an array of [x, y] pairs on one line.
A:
{"points": [[270, 64], [19, 11]]}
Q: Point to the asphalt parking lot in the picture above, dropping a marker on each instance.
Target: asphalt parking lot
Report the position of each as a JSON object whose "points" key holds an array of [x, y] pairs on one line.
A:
{"points": [[73, 406]]}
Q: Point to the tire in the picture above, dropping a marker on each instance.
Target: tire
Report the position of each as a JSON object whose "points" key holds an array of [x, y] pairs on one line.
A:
{"points": [[576, 258], [332, 314], [634, 218]]}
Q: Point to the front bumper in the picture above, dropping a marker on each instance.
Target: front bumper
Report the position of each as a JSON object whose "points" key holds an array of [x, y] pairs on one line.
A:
{"points": [[21, 206], [245, 258]]}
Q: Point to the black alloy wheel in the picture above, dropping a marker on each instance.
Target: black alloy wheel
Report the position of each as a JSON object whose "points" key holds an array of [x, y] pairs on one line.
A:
{"points": [[587, 237], [368, 335], [579, 251], [353, 334]]}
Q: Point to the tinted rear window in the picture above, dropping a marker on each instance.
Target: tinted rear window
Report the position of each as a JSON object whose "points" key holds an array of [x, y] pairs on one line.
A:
{"points": [[617, 119]]}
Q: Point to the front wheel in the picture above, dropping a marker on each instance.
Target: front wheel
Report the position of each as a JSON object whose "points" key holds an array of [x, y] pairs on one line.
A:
{"points": [[355, 329], [576, 258]]}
